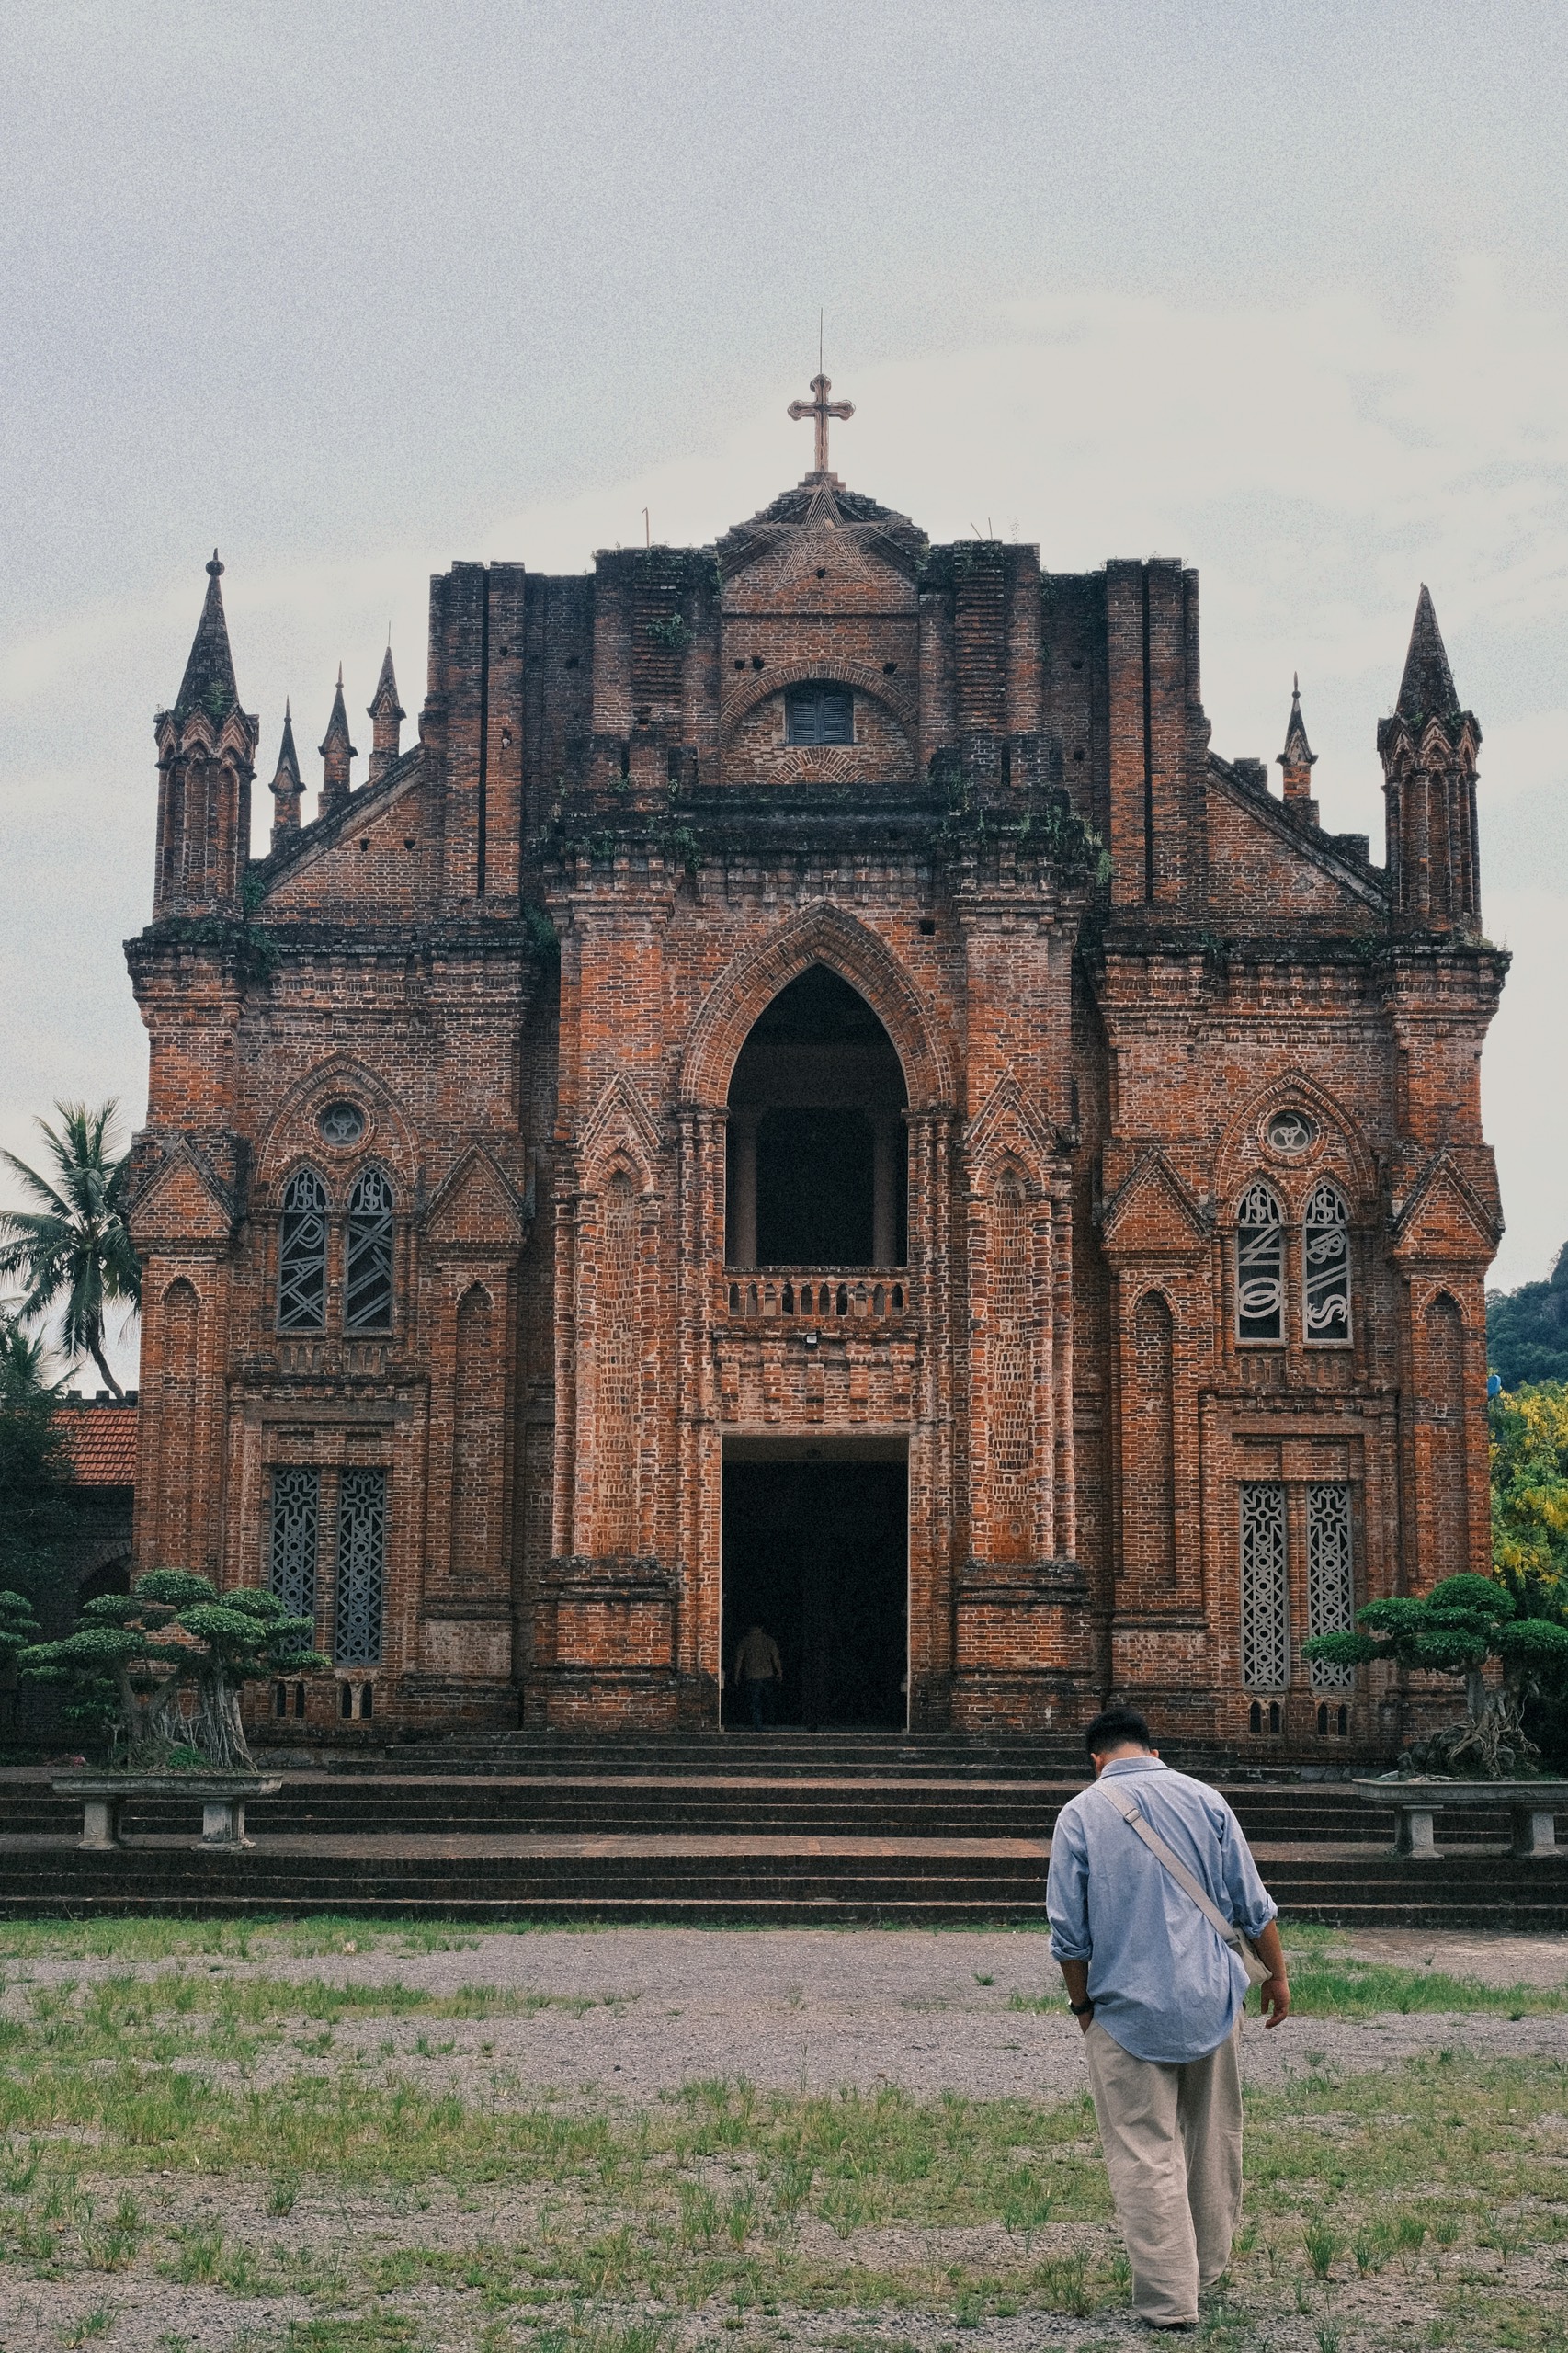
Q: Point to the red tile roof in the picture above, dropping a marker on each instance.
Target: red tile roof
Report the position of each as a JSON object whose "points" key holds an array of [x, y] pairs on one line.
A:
{"points": [[101, 1442]]}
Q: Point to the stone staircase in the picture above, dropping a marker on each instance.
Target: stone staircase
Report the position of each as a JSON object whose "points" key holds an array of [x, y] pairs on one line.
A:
{"points": [[780, 1827]]}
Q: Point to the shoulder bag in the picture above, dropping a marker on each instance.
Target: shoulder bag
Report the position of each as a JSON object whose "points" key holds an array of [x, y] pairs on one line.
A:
{"points": [[1242, 1945]]}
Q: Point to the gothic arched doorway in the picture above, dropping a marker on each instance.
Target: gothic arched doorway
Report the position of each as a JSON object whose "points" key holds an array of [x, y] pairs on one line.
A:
{"points": [[817, 1527], [817, 1145]]}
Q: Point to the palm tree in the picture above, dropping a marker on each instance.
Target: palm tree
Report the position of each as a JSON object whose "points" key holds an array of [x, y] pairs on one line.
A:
{"points": [[74, 1253], [22, 1374]]}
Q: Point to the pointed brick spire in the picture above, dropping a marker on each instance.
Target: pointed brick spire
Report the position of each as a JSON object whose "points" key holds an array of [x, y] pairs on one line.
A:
{"points": [[387, 715], [208, 681], [1428, 750], [287, 785], [1298, 759], [337, 752], [1427, 689]]}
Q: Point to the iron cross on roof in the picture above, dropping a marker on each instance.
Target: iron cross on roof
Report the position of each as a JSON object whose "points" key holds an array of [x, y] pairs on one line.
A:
{"points": [[822, 408]]}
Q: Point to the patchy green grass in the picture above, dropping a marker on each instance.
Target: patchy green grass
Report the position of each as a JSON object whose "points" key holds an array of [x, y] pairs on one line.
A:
{"points": [[160, 1936], [146, 2152], [1327, 1982]]}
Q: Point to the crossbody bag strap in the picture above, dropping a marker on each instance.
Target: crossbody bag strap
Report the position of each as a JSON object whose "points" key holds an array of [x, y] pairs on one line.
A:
{"points": [[1138, 1822]]}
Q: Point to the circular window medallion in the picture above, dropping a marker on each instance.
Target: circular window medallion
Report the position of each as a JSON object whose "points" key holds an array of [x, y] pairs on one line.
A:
{"points": [[342, 1123], [1292, 1133]]}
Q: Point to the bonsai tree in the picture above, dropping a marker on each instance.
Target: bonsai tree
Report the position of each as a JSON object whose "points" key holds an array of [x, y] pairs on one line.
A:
{"points": [[136, 1659], [18, 1628], [1457, 1629]]}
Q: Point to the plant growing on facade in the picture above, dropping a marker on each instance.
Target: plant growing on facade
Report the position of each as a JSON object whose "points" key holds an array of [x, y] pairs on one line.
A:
{"points": [[1461, 1626], [158, 1672]]}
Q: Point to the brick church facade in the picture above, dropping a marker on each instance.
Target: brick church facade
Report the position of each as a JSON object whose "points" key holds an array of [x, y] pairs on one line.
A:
{"points": [[812, 1096]]}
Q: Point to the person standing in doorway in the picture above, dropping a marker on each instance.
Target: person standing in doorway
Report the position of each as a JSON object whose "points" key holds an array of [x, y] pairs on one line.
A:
{"points": [[1158, 1993], [759, 1671]]}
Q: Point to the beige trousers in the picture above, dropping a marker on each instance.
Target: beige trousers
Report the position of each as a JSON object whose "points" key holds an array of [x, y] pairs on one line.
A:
{"points": [[1172, 2137]]}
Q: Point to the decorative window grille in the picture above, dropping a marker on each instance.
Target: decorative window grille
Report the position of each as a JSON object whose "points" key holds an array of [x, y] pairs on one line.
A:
{"points": [[342, 1123], [1265, 1601], [1331, 1594], [362, 1568], [368, 1294], [296, 1522], [1260, 1266], [302, 1255], [1292, 1132], [1325, 1267], [821, 715]]}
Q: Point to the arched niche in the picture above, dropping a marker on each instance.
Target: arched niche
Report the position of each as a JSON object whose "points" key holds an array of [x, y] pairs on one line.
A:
{"points": [[818, 1161]]}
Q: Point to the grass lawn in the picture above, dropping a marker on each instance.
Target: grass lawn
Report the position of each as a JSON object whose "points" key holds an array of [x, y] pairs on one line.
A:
{"points": [[189, 2158]]}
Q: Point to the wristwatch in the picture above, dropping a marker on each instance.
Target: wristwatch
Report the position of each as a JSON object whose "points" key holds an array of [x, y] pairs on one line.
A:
{"points": [[1080, 2010]]}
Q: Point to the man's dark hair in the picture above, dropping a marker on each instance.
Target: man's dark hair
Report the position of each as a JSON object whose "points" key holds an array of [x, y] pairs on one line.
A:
{"points": [[1116, 1728]]}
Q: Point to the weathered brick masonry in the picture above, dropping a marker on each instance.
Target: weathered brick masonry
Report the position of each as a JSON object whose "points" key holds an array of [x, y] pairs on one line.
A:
{"points": [[1170, 1294]]}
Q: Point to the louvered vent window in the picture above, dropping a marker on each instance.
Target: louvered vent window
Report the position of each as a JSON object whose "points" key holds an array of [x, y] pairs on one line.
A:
{"points": [[302, 1255], [1265, 1595], [821, 715], [296, 1520], [361, 1567], [1331, 1594], [1325, 1267], [368, 1299], [1260, 1266]]}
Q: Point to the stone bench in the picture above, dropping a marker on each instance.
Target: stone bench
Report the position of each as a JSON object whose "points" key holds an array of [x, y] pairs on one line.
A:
{"points": [[224, 1798], [1532, 1807]]}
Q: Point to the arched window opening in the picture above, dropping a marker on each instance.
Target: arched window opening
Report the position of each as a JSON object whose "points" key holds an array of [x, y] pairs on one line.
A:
{"points": [[1255, 1716], [818, 1159], [1260, 1266], [368, 1293], [302, 1255], [1325, 1268]]}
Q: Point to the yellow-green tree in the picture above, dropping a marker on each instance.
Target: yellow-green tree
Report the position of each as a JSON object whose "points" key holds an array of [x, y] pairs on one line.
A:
{"points": [[1530, 1496]]}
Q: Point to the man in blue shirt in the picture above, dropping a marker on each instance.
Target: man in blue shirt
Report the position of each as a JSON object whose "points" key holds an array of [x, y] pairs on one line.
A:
{"points": [[1158, 1995]]}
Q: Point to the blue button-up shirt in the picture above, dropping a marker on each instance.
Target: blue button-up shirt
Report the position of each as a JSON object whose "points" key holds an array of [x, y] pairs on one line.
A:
{"points": [[1164, 1983]]}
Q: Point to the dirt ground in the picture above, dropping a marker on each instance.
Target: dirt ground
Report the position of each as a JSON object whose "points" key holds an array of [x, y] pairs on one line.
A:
{"points": [[793, 2011]]}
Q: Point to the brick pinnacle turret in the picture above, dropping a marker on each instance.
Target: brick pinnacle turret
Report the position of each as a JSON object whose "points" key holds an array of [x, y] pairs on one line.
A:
{"points": [[1298, 759], [386, 715], [287, 786], [337, 752]]}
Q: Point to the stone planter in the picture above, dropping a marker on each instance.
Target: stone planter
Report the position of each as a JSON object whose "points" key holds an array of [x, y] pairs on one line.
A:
{"points": [[224, 1798], [1531, 1806]]}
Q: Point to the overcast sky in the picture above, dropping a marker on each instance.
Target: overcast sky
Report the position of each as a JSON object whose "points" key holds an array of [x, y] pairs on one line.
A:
{"points": [[353, 291]]}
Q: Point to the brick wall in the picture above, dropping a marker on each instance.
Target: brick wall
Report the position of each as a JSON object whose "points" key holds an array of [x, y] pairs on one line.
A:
{"points": [[528, 955]]}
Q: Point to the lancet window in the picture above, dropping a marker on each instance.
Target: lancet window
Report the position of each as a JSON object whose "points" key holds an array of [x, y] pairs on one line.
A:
{"points": [[1260, 1266], [1266, 1591], [1325, 1268], [1331, 1596], [361, 1567], [296, 1518], [302, 1255], [367, 1292]]}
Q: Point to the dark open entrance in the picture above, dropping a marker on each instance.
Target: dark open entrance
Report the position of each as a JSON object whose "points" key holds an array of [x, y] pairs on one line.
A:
{"points": [[817, 1552], [817, 1145]]}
